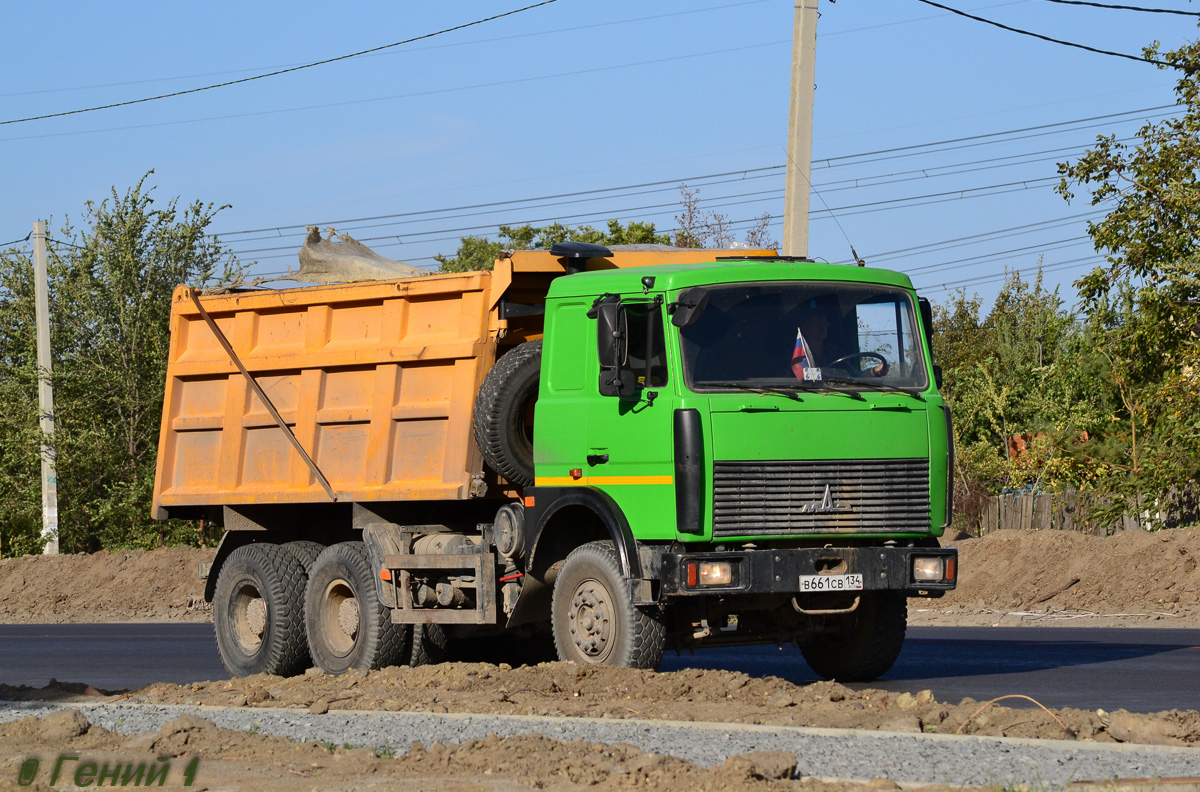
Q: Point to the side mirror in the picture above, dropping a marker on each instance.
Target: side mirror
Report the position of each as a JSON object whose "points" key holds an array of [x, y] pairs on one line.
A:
{"points": [[687, 309], [927, 320], [937, 376], [612, 341]]}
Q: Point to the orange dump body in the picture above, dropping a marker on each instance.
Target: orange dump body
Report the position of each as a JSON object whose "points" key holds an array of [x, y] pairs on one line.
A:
{"points": [[377, 381]]}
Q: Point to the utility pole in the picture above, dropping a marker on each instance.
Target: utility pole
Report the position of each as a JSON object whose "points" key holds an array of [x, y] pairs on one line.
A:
{"points": [[41, 296], [800, 122]]}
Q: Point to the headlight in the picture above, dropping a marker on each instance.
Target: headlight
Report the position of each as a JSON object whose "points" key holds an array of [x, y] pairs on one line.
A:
{"points": [[716, 573], [709, 573], [929, 569]]}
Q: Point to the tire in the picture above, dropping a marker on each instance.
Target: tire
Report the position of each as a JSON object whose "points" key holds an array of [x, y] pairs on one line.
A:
{"points": [[347, 625], [867, 644], [593, 616], [503, 420], [258, 612], [428, 645], [305, 551]]}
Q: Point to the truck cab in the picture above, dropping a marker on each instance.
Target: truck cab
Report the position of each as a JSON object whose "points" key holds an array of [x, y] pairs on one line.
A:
{"points": [[767, 435]]}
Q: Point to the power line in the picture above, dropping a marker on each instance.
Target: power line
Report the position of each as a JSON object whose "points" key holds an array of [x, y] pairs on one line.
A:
{"points": [[973, 239], [15, 241], [842, 160], [1187, 69], [861, 182], [411, 95], [754, 197], [984, 257], [473, 42], [1052, 267], [1124, 7], [278, 72], [986, 135], [506, 203]]}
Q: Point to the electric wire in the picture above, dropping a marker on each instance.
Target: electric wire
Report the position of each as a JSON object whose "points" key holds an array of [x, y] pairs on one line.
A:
{"points": [[16, 241], [390, 97], [754, 197], [984, 257], [863, 182], [278, 72], [1123, 7], [843, 160], [1139, 59], [505, 38], [986, 236], [933, 288]]}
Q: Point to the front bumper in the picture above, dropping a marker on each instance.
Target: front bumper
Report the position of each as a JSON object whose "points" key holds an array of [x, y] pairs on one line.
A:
{"points": [[780, 571]]}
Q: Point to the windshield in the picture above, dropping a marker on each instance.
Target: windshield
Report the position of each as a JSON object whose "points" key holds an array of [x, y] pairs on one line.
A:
{"points": [[799, 335]]}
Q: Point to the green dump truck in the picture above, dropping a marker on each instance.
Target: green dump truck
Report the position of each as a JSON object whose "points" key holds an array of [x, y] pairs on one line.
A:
{"points": [[611, 453]]}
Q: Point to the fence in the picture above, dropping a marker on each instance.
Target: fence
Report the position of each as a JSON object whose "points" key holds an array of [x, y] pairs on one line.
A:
{"points": [[1072, 511]]}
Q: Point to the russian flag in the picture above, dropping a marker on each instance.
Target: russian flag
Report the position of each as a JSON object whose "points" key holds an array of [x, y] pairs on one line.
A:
{"points": [[801, 359]]}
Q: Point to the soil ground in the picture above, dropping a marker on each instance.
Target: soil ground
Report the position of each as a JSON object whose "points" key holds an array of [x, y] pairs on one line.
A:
{"points": [[237, 760], [1007, 578]]}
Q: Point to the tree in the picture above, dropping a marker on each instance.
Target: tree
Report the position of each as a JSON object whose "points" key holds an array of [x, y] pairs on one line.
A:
{"points": [[697, 228], [110, 302], [1141, 307], [476, 253], [1152, 228]]}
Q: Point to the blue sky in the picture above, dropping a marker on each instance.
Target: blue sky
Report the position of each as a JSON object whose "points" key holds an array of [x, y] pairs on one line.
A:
{"points": [[578, 97]]}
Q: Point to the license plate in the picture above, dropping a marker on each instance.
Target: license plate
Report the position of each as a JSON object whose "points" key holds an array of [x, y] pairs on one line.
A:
{"points": [[831, 583]]}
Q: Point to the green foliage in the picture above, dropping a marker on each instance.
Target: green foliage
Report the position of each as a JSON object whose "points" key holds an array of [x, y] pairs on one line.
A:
{"points": [[476, 253], [696, 228], [110, 289], [1108, 399], [1152, 228]]}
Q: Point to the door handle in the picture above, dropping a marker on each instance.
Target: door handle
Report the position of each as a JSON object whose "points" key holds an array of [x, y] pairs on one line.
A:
{"points": [[596, 459]]}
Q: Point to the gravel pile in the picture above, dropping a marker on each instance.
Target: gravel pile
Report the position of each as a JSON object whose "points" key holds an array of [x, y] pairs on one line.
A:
{"points": [[904, 758]]}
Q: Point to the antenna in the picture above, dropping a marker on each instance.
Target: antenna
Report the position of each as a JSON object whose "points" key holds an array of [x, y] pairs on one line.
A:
{"points": [[816, 192]]}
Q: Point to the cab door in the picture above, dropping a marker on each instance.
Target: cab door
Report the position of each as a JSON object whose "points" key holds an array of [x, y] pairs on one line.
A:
{"points": [[629, 426]]}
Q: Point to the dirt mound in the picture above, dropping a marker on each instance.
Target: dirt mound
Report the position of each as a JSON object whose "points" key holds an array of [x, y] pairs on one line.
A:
{"points": [[564, 689], [1055, 575], [128, 585], [239, 760], [1036, 576]]}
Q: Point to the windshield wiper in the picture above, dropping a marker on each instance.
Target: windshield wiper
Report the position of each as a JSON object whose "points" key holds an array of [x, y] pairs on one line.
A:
{"points": [[791, 394], [871, 386], [820, 385]]}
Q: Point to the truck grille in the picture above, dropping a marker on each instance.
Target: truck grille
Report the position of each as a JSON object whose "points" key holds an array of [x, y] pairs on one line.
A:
{"points": [[789, 498]]}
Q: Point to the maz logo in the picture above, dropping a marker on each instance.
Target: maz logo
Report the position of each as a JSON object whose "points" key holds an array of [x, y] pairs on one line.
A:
{"points": [[826, 506]]}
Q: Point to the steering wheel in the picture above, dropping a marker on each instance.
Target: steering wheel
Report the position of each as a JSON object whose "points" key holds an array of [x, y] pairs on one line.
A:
{"points": [[859, 356]]}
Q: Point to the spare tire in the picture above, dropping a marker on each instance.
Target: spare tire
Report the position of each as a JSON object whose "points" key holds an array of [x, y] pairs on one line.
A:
{"points": [[504, 412]]}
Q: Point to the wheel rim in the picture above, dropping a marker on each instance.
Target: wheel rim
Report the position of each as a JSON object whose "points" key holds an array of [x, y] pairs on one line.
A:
{"points": [[249, 611], [339, 617], [590, 621]]}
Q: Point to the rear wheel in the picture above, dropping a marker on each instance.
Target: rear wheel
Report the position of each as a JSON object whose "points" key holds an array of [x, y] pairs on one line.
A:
{"points": [[593, 616], [867, 642], [347, 625], [429, 645], [305, 551], [258, 611]]}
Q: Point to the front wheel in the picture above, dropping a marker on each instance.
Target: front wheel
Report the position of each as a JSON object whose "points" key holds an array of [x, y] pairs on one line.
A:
{"points": [[593, 616], [867, 642], [348, 627]]}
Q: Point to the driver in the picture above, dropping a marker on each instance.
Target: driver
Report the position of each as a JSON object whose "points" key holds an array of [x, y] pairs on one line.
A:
{"points": [[814, 326]]}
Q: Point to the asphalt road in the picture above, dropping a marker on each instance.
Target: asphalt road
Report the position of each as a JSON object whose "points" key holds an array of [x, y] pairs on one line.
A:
{"points": [[1142, 670]]}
